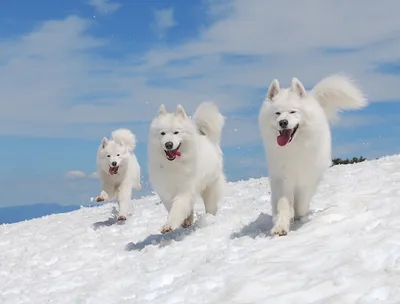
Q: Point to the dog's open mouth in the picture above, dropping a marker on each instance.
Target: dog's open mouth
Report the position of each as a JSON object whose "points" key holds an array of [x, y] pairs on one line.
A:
{"points": [[172, 154], [113, 170], [286, 136]]}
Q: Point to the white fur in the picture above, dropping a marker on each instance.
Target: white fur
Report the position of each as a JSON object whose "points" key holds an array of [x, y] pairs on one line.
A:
{"points": [[119, 149], [199, 169], [296, 169]]}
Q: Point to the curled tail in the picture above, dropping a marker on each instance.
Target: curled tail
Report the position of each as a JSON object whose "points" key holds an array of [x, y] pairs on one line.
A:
{"points": [[209, 121], [126, 137], [336, 93]]}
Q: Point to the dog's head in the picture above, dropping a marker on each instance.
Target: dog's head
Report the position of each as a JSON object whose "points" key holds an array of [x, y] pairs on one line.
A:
{"points": [[112, 155], [172, 132], [283, 111]]}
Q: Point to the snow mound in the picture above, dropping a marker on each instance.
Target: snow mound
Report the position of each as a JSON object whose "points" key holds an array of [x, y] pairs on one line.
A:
{"points": [[348, 251]]}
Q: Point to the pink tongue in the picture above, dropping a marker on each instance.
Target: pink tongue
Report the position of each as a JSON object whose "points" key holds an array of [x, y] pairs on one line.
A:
{"points": [[113, 170], [173, 153], [284, 137]]}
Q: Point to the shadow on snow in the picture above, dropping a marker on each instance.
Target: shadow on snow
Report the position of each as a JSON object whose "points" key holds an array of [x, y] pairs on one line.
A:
{"points": [[162, 240], [261, 227]]}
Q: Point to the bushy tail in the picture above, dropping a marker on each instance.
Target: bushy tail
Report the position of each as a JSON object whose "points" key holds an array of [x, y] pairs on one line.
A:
{"points": [[336, 93], [209, 121], [126, 137]]}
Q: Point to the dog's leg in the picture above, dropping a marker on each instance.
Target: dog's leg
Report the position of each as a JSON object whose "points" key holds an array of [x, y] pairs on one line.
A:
{"points": [[212, 195], [107, 193], [302, 200], [182, 206], [283, 217], [282, 206], [124, 202], [102, 197]]}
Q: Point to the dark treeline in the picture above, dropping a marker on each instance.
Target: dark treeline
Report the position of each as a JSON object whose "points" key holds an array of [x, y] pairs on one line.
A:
{"points": [[341, 161]]}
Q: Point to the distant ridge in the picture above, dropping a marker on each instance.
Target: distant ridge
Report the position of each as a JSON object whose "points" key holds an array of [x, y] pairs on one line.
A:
{"points": [[9, 215]]}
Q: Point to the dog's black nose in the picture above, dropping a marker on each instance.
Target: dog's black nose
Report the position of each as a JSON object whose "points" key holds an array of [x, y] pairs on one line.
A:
{"points": [[169, 145], [114, 164], [283, 123]]}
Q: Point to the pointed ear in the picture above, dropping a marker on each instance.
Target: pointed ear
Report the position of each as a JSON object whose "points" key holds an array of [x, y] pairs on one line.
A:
{"points": [[104, 142], [180, 111], [273, 89], [298, 88], [162, 110]]}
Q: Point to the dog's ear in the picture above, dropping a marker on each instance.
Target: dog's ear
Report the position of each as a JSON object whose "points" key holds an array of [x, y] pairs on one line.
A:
{"points": [[180, 111], [162, 110], [104, 142], [273, 89], [298, 88]]}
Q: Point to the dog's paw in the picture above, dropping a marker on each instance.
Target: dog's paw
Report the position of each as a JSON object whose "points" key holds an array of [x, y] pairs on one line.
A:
{"points": [[187, 223], [138, 187], [99, 199], [173, 222], [279, 231], [121, 218], [166, 229]]}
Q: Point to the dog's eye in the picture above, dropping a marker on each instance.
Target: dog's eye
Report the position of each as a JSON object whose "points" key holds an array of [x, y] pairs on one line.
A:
{"points": [[162, 133], [292, 112], [176, 132], [277, 113], [117, 154], [108, 155]]}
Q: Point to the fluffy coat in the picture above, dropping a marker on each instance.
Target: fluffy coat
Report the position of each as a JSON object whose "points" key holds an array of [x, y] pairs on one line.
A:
{"points": [[294, 126], [119, 170], [186, 161]]}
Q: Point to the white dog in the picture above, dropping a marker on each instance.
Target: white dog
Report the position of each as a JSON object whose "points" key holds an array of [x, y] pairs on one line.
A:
{"points": [[185, 161], [295, 131], [119, 170]]}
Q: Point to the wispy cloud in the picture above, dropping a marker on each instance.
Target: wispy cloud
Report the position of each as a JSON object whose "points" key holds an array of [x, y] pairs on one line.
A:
{"points": [[104, 6], [78, 174], [163, 21], [75, 174], [94, 175], [358, 120]]}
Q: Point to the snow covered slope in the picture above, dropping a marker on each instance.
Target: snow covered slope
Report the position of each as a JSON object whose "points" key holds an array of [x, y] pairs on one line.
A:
{"points": [[348, 252]]}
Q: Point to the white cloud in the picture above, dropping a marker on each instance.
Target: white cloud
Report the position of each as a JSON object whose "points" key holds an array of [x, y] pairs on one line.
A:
{"points": [[357, 120], [94, 175], [48, 74], [163, 21], [75, 174], [104, 6]]}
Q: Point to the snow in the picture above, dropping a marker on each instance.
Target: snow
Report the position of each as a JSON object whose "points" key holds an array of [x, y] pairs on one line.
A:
{"points": [[347, 252]]}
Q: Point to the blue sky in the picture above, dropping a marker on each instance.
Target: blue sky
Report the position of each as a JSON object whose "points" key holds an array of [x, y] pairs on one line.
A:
{"points": [[73, 71]]}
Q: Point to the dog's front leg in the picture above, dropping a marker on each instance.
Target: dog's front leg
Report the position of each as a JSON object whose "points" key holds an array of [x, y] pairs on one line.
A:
{"points": [[103, 197], [283, 217], [182, 207], [124, 202], [282, 205], [107, 193]]}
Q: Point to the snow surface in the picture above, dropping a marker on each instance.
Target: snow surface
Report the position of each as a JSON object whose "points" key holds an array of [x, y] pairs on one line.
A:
{"points": [[348, 251]]}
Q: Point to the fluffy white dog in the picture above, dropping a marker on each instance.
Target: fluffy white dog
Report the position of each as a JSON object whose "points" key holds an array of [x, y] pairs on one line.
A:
{"points": [[294, 126], [186, 161], [119, 170]]}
